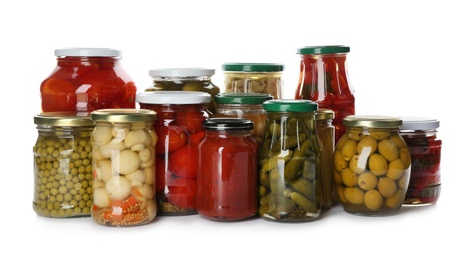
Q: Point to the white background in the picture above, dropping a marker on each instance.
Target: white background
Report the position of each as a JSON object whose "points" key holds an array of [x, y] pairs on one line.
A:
{"points": [[406, 58]]}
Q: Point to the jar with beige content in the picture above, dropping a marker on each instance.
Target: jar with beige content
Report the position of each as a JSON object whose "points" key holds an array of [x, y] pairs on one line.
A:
{"points": [[123, 145]]}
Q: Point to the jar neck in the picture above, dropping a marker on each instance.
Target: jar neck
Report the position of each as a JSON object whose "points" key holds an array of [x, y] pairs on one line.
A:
{"points": [[181, 79], [230, 133], [431, 133]]}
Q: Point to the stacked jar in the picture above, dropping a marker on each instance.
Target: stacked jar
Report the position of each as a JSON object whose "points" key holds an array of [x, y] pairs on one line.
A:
{"points": [[372, 165], [63, 165], [244, 105], [420, 133], [86, 79], [265, 78], [179, 130], [185, 79], [123, 163]]}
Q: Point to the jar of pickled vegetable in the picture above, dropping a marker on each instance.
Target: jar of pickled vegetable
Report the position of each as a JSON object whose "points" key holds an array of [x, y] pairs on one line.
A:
{"points": [[372, 165], [123, 145], [227, 181], [186, 79], [179, 131], [266, 78], [326, 136], [86, 79], [323, 78], [420, 133], [244, 105], [63, 165], [289, 162]]}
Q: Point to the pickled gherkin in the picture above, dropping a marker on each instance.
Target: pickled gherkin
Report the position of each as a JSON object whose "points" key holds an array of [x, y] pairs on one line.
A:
{"points": [[289, 162]]}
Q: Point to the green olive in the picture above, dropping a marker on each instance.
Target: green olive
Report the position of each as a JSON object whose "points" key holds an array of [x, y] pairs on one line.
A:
{"points": [[358, 165], [367, 146], [395, 169], [367, 181], [388, 150], [398, 140], [380, 134], [405, 156], [396, 201], [348, 177], [355, 134], [341, 142], [373, 199], [387, 187], [377, 164], [349, 150], [338, 162], [354, 195]]}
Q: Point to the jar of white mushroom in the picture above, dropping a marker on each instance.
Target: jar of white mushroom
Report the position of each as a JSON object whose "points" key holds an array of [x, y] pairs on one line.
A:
{"points": [[123, 146]]}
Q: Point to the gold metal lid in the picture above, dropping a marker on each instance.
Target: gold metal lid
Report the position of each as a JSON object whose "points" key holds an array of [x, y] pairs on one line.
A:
{"points": [[324, 114], [372, 121], [123, 115], [65, 118]]}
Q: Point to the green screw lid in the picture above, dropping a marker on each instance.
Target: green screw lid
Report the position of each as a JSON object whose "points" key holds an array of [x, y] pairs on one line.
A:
{"points": [[372, 121], [123, 115], [253, 67], [290, 105], [329, 49], [242, 98]]}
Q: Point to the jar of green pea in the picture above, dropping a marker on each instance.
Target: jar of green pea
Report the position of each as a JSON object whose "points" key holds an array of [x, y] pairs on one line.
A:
{"points": [[63, 165]]}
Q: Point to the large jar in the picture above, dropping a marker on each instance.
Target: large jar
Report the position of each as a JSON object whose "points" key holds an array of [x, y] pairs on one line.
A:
{"points": [[227, 181], [179, 131], [123, 146], [373, 166], [86, 79], [247, 106], [265, 78], [185, 79], [420, 134], [326, 135], [63, 165], [289, 162], [323, 78]]}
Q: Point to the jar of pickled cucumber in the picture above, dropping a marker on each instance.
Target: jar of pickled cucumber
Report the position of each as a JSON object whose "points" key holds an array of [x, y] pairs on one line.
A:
{"points": [[185, 79], [180, 115], [326, 135], [86, 79], [123, 145], [63, 165], [247, 106], [266, 78], [420, 134], [372, 165], [289, 162]]}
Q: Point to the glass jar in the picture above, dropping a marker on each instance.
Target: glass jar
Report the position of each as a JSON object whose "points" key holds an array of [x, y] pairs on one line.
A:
{"points": [[227, 183], [86, 79], [63, 165], [323, 78], [326, 136], [265, 78], [247, 106], [420, 133], [179, 131], [186, 79], [123, 146], [289, 162], [372, 166]]}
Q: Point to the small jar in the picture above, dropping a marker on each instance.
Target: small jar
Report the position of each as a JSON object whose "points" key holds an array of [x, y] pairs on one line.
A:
{"points": [[185, 79], [123, 145], [86, 79], [227, 181], [265, 78], [179, 131], [63, 165], [247, 106], [372, 166], [289, 162], [326, 135], [420, 134]]}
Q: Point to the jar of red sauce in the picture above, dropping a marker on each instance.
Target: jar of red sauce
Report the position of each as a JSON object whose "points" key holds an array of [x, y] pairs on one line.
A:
{"points": [[86, 79], [227, 180], [324, 78], [179, 130], [420, 134]]}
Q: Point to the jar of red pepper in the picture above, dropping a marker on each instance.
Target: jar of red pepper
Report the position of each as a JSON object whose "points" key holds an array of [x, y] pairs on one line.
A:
{"points": [[227, 180], [179, 130], [324, 78], [420, 134], [86, 79]]}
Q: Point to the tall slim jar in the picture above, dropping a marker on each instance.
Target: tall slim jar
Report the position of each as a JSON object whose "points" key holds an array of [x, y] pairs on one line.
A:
{"points": [[123, 145]]}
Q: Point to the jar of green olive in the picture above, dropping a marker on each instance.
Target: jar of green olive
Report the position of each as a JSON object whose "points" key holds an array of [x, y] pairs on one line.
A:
{"points": [[185, 79], [266, 78], [372, 165], [63, 165], [326, 135], [123, 146], [289, 162]]}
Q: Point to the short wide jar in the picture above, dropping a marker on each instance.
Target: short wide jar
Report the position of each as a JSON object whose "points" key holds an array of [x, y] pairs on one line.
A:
{"points": [[372, 165]]}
